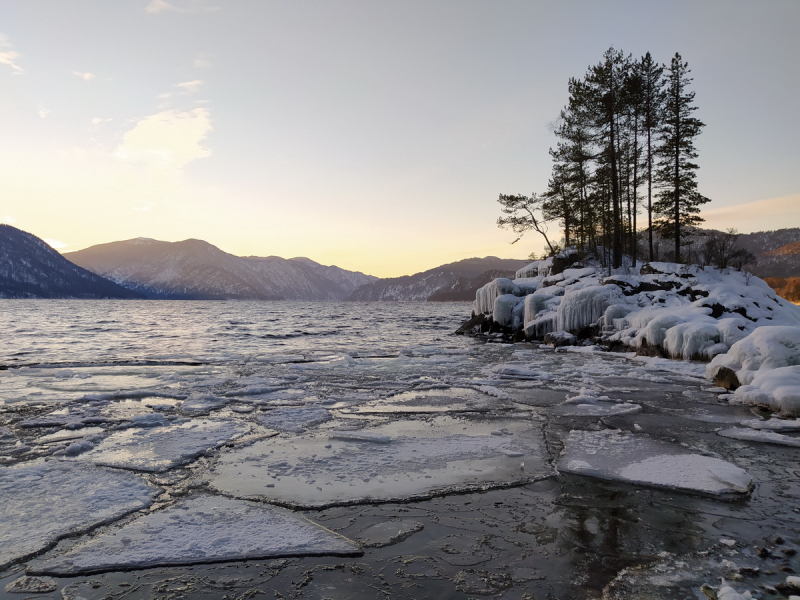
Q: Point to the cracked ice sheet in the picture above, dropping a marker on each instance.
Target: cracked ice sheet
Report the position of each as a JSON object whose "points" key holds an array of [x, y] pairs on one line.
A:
{"points": [[197, 530], [639, 460], [161, 448], [45, 501], [422, 458], [50, 384], [598, 409], [433, 401]]}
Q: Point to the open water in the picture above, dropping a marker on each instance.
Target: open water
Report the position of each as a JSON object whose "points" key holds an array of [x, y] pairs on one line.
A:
{"points": [[440, 458]]}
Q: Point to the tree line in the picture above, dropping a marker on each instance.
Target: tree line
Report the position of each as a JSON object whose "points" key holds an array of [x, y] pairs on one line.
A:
{"points": [[625, 149]]}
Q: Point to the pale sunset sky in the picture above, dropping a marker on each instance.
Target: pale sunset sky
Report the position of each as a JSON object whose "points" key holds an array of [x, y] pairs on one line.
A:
{"points": [[374, 135]]}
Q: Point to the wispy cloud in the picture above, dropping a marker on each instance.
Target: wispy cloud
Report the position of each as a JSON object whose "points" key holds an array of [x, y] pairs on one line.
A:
{"points": [[98, 120], [185, 87], [167, 140], [189, 87], [144, 205], [55, 243], [85, 76], [8, 57], [158, 6], [7, 220], [43, 112], [760, 215], [203, 61]]}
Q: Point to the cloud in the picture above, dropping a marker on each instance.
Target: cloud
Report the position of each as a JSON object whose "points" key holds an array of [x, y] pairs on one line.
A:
{"points": [[760, 215], [144, 205], [190, 87], [98, 120], [203, 61], [84, 76], [167, 140], [186, 87], [157, 6], [55, 243], [8, 220], [43, 112], [7, 57]]}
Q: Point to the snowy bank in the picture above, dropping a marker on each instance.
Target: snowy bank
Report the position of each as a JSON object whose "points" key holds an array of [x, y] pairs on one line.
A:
{"points": [[766, 365], [675, 310]]}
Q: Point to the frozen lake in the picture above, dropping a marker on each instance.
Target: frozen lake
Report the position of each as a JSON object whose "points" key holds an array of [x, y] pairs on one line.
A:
{"points": [[361, 450]]}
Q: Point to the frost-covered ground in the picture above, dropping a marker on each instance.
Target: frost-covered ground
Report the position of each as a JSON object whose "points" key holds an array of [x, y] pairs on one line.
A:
{"points": [[445, 467]]}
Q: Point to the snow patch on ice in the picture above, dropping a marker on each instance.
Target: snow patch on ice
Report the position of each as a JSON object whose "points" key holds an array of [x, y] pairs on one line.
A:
{"points": [[635, 459], [161, 448]]}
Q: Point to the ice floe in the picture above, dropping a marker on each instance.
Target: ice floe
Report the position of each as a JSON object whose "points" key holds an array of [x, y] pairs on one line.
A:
{"points": [[45, 501], [388, 533], [421, 458], [199, 529], [640, 460], [160, 448], [755, 435], [597, 409], [295, 420]]}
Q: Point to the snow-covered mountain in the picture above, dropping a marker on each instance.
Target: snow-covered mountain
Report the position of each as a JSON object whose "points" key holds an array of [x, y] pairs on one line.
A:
{"points": [[29, 268], [777, 252], [422, 286], [194, 269]]}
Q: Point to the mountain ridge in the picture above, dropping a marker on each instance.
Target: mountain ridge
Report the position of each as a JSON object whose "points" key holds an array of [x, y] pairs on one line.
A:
{"points": [[30, 268], [197, 270]]}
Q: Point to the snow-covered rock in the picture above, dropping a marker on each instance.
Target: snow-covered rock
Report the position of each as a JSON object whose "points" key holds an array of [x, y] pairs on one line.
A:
{"points": [[684, 311], [767, 363]]}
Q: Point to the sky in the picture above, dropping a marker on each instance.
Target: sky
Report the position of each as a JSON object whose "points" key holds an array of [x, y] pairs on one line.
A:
{"points": [[375, 136]]}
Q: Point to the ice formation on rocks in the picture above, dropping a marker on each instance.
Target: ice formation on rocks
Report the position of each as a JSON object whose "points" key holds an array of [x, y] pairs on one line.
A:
{"points": [[200, 529], [637, 459], [158, 449], [45, 501], [688, 311]]}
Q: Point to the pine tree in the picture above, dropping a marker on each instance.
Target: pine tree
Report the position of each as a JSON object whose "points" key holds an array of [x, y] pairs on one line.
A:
{"points": [[605, 82], [679, 200], [652, 78]]}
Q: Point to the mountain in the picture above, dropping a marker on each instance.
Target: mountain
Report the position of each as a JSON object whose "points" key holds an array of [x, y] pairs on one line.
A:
{"points": [[29, 268], [197, 270], [464, 289], [778, 252], [423, 286], [348, 281]]}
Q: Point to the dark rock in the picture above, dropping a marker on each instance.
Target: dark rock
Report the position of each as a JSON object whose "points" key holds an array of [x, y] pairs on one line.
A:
{"points": [[648, 269], [750, 571], [716, 310], [560, 338], [763, 552], [560, 263], [651, 350], [475, 321], [726, 378]]}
